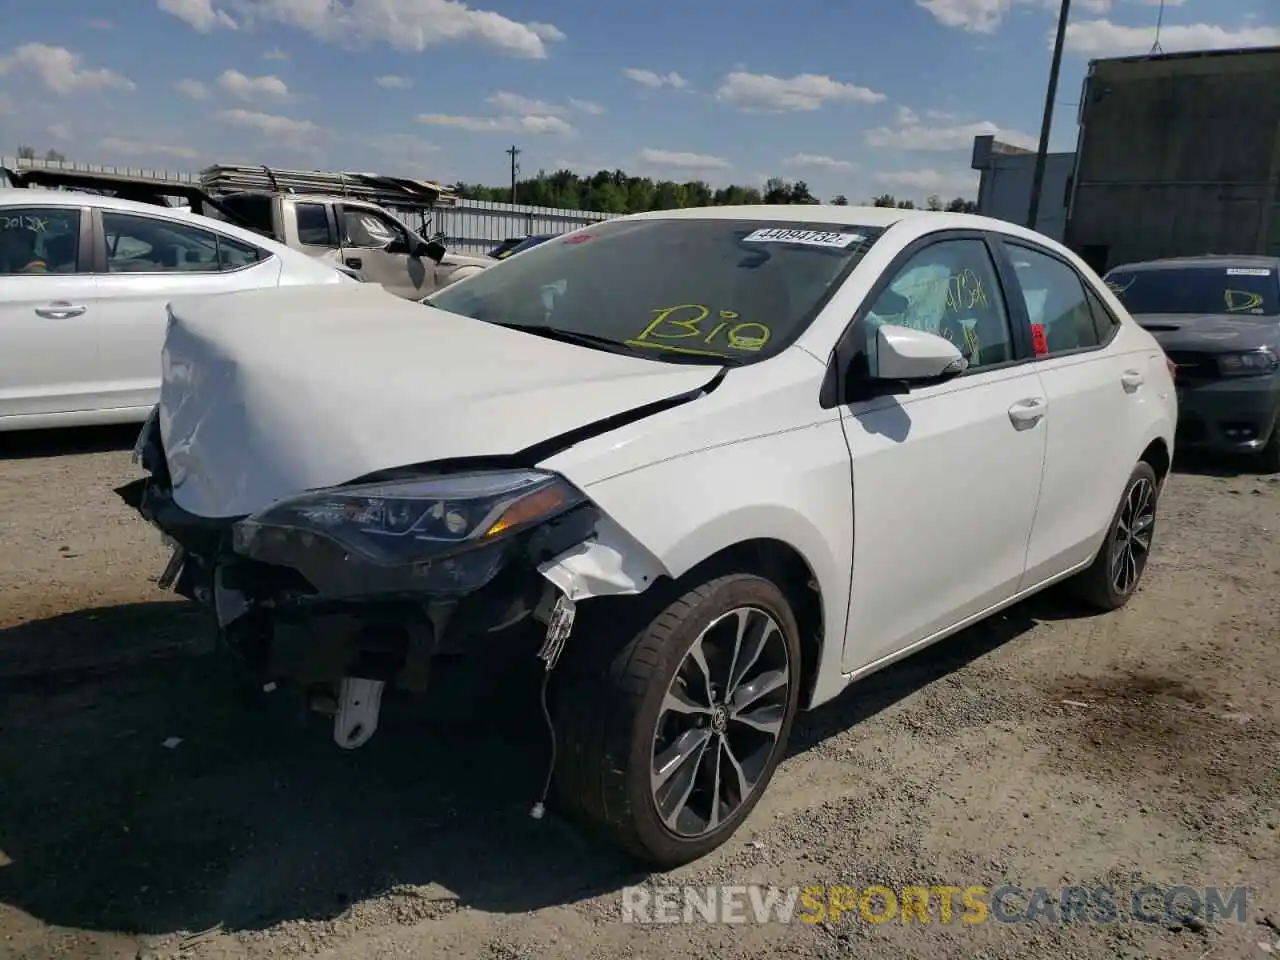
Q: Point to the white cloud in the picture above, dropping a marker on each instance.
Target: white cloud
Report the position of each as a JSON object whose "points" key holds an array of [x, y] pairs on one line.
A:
{"points": [[586, 106], [917, 136], [7, 106], [61, 70], [807, 91], [975, 16], [931, 181], [907, 115], [137, 148], [245, 87], [409, 25], [648, 78], [392, 82], [270, 124], [514, 103], [192, 88], [682, 161], [275, 54], [60, 131], [532, 125], [1102, 38], [814, 161], [201, 15]]}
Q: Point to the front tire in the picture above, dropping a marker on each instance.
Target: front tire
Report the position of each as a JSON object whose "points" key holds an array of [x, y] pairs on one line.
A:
{"points": [[1117, 570], [669, 738]]}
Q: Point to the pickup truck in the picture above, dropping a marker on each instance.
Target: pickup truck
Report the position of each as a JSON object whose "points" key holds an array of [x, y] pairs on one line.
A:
{"points": [[357, 234], [360, 237]]}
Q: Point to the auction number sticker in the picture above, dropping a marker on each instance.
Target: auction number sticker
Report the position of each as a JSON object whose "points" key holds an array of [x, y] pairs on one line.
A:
{"points": [[1248, 272], [811, 238]]}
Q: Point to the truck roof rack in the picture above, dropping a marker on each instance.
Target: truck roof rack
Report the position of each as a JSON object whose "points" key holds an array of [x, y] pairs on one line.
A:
{"points": [[376, 188]]}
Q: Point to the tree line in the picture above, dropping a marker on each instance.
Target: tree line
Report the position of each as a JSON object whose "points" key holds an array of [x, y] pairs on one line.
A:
{"points": [[617, 192], [29, 153]]}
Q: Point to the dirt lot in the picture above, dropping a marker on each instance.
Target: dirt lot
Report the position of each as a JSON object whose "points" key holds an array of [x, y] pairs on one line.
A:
{"points": [[1040, 749]]}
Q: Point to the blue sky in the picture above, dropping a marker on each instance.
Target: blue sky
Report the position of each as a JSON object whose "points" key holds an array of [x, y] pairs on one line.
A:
{"points": [[854, 96]]}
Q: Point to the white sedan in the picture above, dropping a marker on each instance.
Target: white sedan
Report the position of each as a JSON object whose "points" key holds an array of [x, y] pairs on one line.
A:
{"points": [[711, 465], [84, 282]]}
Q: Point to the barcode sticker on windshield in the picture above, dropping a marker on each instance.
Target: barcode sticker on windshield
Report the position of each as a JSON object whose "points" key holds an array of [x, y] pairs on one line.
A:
{"points": [[1248, 272], [812, 238]]}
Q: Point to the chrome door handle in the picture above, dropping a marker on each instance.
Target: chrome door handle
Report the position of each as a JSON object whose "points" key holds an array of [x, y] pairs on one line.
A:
{"points": [[1132, 380], [60, 310], [1027, 413]]}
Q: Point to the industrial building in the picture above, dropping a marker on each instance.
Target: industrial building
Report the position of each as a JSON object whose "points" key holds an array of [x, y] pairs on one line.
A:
{"points": [[1177, 155]]}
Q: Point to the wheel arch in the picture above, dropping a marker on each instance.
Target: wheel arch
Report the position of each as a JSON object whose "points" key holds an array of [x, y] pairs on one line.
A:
{"points": [[784, 565]]}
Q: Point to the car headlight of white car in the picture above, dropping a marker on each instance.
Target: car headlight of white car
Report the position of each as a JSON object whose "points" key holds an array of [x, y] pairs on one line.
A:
{"points": [[441, 533]]}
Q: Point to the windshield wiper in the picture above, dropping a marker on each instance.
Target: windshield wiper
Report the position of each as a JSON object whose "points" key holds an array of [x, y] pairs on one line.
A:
{"points": [[567, 336]]}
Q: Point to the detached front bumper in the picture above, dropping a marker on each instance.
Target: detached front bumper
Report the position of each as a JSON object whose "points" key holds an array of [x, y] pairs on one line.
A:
{"points": [[1228, 416], [314, 614]]}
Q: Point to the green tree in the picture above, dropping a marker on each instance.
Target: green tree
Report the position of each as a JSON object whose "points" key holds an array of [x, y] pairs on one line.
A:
{"points": [[840, 200], [934, 203]]}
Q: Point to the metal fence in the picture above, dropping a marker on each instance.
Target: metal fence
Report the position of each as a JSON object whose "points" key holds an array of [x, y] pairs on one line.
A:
{"points": [[470, 226], [475, 226]]}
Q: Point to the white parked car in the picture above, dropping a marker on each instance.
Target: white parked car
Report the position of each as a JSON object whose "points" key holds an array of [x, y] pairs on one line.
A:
{"points": [[733, 460], [84, 282]]}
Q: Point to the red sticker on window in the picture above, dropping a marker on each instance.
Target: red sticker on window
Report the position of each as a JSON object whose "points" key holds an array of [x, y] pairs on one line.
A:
{"points": [[578, 238], [1038, 339]]}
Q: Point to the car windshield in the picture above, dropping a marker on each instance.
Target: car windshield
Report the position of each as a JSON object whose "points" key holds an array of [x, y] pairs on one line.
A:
{"points": [[675, 289], [1248, 291]]}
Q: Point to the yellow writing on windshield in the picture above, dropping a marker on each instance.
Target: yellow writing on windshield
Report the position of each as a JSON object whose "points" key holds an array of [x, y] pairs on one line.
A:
{"points": [[1239, 301], [693, 324]]}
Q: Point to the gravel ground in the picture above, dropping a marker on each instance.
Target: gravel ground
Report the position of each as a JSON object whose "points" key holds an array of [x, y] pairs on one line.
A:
{"points": [[1042, 748]]}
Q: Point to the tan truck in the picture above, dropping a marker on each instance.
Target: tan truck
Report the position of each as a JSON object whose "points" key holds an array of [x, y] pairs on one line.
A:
{"points": [[359, 236], [362, 236]]}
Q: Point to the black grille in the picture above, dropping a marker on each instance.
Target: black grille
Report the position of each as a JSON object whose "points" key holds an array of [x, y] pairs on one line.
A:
{"points": [[1194, 365]]}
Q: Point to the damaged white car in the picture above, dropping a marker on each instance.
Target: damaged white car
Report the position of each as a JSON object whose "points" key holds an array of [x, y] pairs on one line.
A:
{"points": [[710, 465]]}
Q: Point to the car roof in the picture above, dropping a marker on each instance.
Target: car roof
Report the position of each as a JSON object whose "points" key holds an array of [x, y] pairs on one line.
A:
{"points": [[29, 196], [1227, 261], [853, 216]]}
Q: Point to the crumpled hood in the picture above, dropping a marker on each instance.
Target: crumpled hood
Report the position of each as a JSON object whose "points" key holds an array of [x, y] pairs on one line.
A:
{"points": [[267, 393], [1210, 333]]}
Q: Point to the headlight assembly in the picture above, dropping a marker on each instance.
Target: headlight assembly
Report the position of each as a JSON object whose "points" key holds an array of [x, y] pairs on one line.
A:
{"points": [[1248, 363], [440, 532]]}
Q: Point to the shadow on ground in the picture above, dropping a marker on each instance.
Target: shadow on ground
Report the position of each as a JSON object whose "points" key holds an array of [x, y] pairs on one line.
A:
{"points": [[65, 441], [1204, 465], [257, 817]]}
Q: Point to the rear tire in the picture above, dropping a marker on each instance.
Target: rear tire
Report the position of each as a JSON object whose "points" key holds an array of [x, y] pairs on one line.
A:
{"points": [[1117, 570], [647, 722]]}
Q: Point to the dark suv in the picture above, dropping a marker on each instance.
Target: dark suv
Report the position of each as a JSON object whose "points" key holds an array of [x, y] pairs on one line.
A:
{"points": [[1218, 319]]}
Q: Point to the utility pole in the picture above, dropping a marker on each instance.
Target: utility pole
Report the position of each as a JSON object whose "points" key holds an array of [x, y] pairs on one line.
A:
{"points": [[1037, 178], [514, 152]]}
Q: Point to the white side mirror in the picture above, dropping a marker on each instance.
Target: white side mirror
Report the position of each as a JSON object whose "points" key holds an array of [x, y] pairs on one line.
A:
{"points": [[903, 353]]}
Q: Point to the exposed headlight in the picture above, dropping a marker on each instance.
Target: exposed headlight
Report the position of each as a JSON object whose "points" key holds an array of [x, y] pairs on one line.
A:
{"points": [[441, 532], [1248, 363], [413, 520]]}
